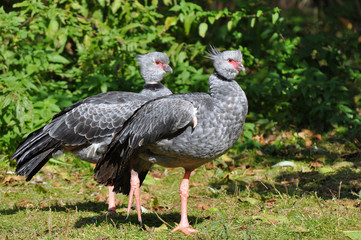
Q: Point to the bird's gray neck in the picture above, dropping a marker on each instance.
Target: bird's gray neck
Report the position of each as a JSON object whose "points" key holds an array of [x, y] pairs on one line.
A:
{"points": [[220, 88], [153, 86], [219, 76]]}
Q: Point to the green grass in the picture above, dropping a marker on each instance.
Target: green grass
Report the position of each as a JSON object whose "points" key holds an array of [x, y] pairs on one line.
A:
{"points": [[236, 197]]}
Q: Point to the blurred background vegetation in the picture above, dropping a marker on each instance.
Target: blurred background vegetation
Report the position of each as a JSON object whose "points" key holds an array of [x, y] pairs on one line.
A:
{"points": [[302, 58]]}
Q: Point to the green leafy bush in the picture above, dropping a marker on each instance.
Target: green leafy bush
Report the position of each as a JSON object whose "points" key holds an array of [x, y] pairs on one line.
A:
{"points": [[55, 53]]}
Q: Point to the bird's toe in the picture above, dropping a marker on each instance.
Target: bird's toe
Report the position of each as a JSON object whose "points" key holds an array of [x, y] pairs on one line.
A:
{"points": [[185, 229], [110, 213]]}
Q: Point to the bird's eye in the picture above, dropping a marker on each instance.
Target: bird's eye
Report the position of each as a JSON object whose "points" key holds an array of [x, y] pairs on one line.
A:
{"points": [[230, 60], [157, 62]]}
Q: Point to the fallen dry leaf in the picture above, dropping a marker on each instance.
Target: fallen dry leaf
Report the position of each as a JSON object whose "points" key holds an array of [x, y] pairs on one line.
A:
{"points": [[44, 205], [24, 203], [55, 184], [195, 184], [299, 228], [301, 135], [156, 174], [90, 185], [260, 139], [202, 206], [210, 165], [308, 132], [317, 136], [146, 198], [270, 138], [348, 203], [308, 143], [102, 197], [250, 173], [160, 208], [316, 164], [12, 178], [272, 200], [287, 134]]}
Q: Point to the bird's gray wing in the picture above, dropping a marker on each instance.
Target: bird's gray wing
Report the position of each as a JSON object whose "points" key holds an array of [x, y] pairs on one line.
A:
{"points": [[95, 117], [155, 120]]}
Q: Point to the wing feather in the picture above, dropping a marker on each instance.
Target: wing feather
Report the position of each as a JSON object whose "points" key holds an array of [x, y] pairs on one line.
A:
{"points": [[91, 119], [156, 120]]}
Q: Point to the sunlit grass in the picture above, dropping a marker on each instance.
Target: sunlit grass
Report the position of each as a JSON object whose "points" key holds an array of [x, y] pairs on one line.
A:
{"points": [[236, 197]]}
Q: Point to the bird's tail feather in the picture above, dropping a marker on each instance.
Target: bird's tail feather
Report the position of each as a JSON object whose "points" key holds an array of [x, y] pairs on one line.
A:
{"points": [[34, 152]]}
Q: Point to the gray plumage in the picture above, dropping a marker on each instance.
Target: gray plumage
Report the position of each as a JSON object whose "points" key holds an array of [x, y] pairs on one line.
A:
{"points": [[88, 126], [172, 140]]}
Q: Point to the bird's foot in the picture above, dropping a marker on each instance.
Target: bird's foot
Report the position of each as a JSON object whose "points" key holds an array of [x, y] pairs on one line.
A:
{"points": [[186, 229], [111, 213]]}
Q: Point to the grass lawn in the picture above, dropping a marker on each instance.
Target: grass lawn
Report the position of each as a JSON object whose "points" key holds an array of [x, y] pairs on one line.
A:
{"points": [[240, 196]]}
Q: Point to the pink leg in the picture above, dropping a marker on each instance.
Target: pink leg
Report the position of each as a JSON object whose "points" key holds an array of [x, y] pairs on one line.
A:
{"points": [[111, 200], [184, 194], [111, 203], [134, 190]]}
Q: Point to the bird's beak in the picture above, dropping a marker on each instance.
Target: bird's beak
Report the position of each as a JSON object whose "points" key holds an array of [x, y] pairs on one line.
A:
{"points": [[240, 67], [167, 68]]}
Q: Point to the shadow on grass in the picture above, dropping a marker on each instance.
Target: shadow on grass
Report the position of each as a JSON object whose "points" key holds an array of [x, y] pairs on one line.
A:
{"points": [[334, 182], [97, 207], [328, 157], [149, 219], [344, 183]]}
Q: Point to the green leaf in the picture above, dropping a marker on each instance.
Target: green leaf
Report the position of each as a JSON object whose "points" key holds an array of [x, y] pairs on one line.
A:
{"points": [[259, 13], [229, 25], [188, 23], [249, 200], [102, 3], [58, 59], [170, 21], [62, 40], [21, 4], [253, 21], [167, 2], [353, 234], [154, 3], [116, 5], [175, 8], [219, 15], [211, 19], [30, 68], [52, 28], [103, 88], [203, 29], [162, 228], [130, 26], [275, 17]]}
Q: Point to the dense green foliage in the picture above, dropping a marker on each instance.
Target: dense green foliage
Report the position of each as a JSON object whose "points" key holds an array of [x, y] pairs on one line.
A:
{"points": [[301, 71]]}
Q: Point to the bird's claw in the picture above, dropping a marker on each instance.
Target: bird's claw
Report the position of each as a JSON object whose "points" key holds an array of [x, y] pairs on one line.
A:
{"points": [[110, 212], [185, 229]]}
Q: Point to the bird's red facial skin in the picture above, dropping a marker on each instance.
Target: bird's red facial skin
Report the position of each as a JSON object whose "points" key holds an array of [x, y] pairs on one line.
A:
{"points": [[237, 65], [160, 64], [234, 63]]}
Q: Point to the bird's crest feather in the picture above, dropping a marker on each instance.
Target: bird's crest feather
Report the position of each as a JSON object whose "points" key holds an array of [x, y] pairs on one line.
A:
{"points": [[213, 52]]}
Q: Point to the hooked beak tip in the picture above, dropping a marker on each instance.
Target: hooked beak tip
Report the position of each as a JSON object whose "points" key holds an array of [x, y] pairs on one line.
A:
{"points": [[241, 68], [167, 68]]}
